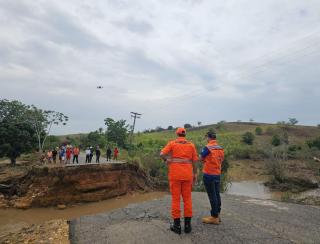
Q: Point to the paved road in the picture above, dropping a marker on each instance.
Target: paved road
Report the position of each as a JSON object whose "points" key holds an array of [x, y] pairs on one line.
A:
{"points": [[245, 220]]}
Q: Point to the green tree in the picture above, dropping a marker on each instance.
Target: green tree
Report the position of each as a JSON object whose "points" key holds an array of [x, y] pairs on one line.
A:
{"points": [[117, 131], [276, 140], [170, 127], [293, 121], [187, 126], [248, 138], [96, 138], [258, 131], [43, 120], [17, 135]]}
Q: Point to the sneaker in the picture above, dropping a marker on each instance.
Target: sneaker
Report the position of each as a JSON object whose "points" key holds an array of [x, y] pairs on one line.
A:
{"points": [[211, 220]]}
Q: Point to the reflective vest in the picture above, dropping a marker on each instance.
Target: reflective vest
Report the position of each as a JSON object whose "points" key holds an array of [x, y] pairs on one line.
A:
{"points": [[213, 161], [181, 154]]}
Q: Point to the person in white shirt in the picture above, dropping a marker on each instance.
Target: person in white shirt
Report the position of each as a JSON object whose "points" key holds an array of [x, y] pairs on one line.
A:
{"points": [[88, 152]]}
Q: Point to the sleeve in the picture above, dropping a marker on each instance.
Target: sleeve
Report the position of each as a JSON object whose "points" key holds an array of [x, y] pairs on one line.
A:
{"points": [[205, 152], [166, 150]]}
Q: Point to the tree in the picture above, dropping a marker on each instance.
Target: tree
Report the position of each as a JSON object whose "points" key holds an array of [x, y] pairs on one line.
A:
{"points": [[43, 120], [117, 131], [187, 126], [170, 127], [258, 131], [248, 138], [96, 138], [17, 136], [293, 121], [199, 123]]}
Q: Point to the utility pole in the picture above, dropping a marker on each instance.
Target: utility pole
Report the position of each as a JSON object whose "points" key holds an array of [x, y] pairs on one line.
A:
{"points": [[135, 116]]}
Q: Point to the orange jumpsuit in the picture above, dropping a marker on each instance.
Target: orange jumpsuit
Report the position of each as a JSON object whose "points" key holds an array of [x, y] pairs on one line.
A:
{"points": [[182, 154]]}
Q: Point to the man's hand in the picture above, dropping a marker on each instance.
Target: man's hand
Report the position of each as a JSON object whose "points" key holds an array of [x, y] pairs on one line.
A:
{"points": [[195, 178]]}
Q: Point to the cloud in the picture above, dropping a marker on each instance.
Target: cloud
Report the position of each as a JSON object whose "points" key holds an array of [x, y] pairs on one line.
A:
{"points": [[174, 61]]}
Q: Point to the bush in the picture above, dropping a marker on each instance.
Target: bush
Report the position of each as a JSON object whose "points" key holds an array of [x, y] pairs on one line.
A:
{"points": [[314, 143], [248, 138], [276, 141], [240, 152], [258, 131]]}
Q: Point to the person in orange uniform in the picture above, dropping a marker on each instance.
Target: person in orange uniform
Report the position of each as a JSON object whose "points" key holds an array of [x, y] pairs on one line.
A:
{"points": [[181, 156], [76, 152], [212, 156]]}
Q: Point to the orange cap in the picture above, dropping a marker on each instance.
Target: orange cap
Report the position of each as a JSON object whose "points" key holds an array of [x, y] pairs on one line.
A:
{"points": [[180, 131]]}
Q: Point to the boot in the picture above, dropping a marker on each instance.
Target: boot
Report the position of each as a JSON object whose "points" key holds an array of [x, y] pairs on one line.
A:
{"points": [[176, 227], [187, 225], [211, 220]]}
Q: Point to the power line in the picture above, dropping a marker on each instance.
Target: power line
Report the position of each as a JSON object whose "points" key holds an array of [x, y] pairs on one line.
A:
{"points": [[135, 116]]}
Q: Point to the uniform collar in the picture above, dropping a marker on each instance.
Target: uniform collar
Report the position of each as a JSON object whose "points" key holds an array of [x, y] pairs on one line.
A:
{"points": [[180, 138], [213, 141]]}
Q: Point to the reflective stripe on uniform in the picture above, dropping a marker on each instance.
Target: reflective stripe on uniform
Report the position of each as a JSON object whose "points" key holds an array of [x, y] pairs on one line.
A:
{"points": [[179, 160], [214, 147]]}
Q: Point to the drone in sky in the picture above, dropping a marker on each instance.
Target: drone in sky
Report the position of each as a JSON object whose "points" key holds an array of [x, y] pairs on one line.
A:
{"points": [[99, 87]]}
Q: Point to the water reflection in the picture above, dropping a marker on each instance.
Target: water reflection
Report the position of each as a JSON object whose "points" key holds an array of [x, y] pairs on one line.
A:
{"points": [[250, 189]]}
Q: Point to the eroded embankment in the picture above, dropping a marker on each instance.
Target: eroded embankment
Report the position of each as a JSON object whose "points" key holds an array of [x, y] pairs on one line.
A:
{"points": [[42, 186]]}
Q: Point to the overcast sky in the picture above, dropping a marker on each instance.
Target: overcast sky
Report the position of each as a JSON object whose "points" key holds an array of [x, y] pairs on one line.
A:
{"points": [[175, 62]]}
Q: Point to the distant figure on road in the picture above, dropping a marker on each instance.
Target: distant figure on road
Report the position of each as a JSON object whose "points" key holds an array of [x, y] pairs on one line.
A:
{"points": [[75, 152], [98, 153], [54, 155], [68, 155], [109, 152], [62, 154], [49, 156], [91, 154], [212, 156], [88, 152], [115, 153]]}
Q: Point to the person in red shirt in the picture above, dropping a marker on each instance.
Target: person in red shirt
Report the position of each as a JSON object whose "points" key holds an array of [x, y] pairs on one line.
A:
{"points": [[212, 156], [76, 152], [115, 153], [68, 155], [181, 156]]}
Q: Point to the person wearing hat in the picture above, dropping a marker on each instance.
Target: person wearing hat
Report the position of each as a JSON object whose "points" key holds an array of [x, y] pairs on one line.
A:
{"points": [[212, 156], [181, 156]]}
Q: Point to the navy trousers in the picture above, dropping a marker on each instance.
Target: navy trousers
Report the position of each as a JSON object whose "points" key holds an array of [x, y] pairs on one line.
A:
{"points": [[212, 184]]}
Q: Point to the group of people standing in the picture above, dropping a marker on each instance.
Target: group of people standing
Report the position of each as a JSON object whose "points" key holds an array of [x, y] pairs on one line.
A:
{"points": [[181, 157], [68, 152], [64, 154]]}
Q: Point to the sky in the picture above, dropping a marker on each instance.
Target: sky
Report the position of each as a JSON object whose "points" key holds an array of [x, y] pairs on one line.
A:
{"points": [[175, 62]]}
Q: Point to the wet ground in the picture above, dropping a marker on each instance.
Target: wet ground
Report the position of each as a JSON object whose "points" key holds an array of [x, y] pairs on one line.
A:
{"points": [[13, 219]]}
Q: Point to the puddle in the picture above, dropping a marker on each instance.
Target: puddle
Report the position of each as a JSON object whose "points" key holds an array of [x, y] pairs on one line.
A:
{"points": [[250, 189], [11, 218]]}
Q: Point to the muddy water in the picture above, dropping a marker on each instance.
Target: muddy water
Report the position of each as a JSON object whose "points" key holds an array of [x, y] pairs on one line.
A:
{"points": [[250, 189], [14, 218]]}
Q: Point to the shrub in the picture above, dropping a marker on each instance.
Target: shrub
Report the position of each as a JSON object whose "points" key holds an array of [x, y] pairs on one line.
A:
{"points": [[258, 131], [248, 138], [314, 143], [276, 141]]}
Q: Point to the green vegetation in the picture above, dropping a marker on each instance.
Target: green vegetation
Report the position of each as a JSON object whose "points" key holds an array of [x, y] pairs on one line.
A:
{"points": [[248, 138], [258, 131], [276, 141]]}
